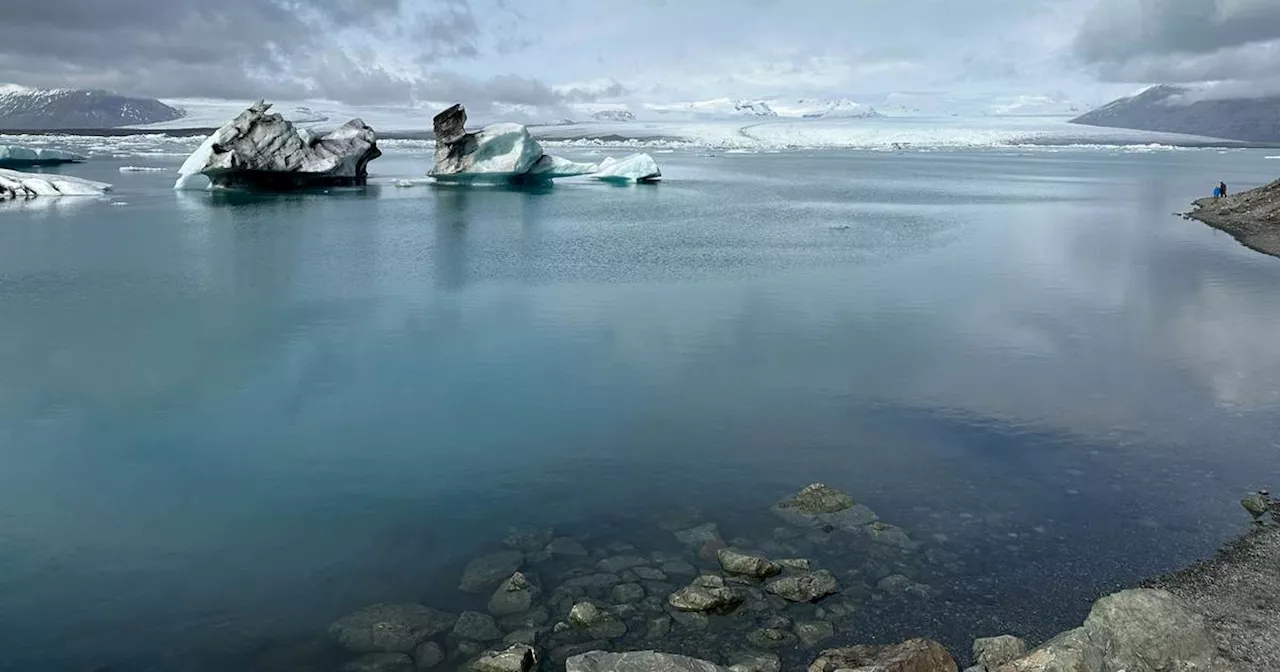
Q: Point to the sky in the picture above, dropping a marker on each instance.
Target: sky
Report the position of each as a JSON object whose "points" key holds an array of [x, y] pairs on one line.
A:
{"points": [[559, 52]]}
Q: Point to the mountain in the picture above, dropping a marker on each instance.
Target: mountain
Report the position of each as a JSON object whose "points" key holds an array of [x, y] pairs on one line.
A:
{"points": [[614, 115], [719, 107], [1164, 108], [57, 109], [817, 108]]}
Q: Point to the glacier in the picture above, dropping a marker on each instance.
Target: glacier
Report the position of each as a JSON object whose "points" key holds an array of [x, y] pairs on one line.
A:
{"points": [[16, 185], [263, 151], [16, 156]]}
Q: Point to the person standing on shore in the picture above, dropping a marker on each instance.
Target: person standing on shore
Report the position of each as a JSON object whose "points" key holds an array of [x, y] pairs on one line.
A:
{"points": [[1222, 188]]}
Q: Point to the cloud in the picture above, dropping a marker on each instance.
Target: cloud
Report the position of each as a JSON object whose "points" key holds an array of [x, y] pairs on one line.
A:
{"points": [[1181, 40]]}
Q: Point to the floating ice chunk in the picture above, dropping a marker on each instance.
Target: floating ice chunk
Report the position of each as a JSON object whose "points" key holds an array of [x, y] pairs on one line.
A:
{"points": [[141, 169], [17, 156], [550, 167], [500, 151], [634, 168], [21, 186]]}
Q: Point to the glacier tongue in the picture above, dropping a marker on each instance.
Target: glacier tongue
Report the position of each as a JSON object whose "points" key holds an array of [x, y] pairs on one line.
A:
{"points": [[260, 150], [21, 186]]}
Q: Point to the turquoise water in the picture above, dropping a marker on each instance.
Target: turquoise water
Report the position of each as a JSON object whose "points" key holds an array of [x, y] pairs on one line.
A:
{"points": [[229, 419]]}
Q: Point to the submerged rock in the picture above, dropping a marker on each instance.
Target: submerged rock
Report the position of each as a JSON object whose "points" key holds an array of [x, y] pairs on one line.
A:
{"points": [[706, 594], [754, 661], [528, 538], [819, 505], [747, 565], [477, 627], [621, 562], [263, 151], [597, 622], [813, 633], [698, 536], [488, 571], [428, 655], [518, 658], [380, 662], [804, 586], [996, 651], [771, 638], [818, 498], [916, 655], [513, 596], [389, 627], [628, 593], [638, 661], [566, 546]]}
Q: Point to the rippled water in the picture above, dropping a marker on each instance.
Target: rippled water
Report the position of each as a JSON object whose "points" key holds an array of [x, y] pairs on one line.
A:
{"points": [[226, 420]]}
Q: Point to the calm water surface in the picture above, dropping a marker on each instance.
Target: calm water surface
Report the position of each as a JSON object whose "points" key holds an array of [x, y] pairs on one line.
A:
{"points": [[230, 419]]}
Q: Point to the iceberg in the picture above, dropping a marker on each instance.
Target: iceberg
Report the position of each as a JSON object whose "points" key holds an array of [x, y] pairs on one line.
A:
{"points": [[258, 150], [498, 153], [14, 156], [634, 168], [16, 185]]}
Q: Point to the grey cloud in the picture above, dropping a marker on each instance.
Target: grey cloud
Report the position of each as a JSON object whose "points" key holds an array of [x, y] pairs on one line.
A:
{"points": [[1181, 40]]}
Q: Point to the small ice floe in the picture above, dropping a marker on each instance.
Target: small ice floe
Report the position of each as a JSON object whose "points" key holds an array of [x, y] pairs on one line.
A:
{"points": [[142, 169]]}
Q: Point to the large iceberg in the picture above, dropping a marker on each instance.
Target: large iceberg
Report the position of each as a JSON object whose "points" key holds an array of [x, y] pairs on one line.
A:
{"points": [[14, 156], [263, 151], [15, 185], [634, 168], [499, 153]]}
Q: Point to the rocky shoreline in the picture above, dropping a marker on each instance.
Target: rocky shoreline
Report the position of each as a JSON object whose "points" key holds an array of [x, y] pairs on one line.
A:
{"points": [[1251, 217], [699, 602]]}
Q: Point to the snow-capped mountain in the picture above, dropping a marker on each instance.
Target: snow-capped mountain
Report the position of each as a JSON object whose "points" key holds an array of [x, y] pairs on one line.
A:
{"points": [[614, 115], [718, 107], [1035, 106], [1181, 109], [49, 109], [817, 108]]}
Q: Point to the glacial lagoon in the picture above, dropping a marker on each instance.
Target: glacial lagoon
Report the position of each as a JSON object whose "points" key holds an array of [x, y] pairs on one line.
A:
{"points": [[228, 420]]}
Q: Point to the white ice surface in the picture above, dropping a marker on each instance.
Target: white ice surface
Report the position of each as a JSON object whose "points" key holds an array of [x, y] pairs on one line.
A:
{"points": [[189, 176], [633, 168], [502, 151], [551, 167], [20, 185], [21, 153]]}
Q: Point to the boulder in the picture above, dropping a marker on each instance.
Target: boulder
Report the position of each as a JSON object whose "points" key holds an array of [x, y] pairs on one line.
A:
{"points": [[513, 596], [753, 661], [386, 627], [597, 622], [263, 151], [996, 651], [819, 505], [16, 185], [593, 582], [1150, 631], [566, 546], [813, 633], [620, 562], [658, 627], [518, 658], [428, 655], [698, 536], [771, 638], [753, 566], [528, 538], [638, 661], [380, 662], [488, 571], [916, 655], [628, 593], [1070, 651], [804, 586], [477, 627], [649, 574], [706, 594]]}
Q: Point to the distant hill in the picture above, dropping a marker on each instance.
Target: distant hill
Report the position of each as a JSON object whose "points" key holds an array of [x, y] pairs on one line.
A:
{"points": [[1159, 109], [49, 109]]}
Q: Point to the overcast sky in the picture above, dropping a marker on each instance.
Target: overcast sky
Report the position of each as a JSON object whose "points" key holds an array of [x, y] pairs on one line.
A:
{"points": [[545, 52]]}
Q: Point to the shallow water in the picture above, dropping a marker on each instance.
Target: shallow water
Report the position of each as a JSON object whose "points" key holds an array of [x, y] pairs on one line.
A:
{"points": [[229, 419]]}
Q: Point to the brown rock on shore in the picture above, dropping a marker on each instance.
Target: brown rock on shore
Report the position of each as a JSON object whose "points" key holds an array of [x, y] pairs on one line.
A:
{"points": [[1251, 217]]}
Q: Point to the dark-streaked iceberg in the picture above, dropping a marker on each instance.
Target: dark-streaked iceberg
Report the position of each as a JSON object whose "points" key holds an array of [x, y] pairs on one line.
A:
{"points": [[257, 150], [16, 185]]}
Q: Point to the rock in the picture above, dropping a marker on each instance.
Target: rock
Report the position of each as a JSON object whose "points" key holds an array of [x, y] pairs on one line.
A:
{"points": [[711, 549], [533, 618], [527, 636], [691, 620], [1150, 631], [566, 546], [529, 539], [804, 586], [813, 633], [696, 537], [263, 151], [627, 593], [916, 655], [996, 651], [818, 498], [889, 535], [679, 568], [594, 582], [638, 661], [513, 596], [747, 565], [468, 648], [488, 571], [1070, 651], [659, 627], [517, 658], [380, 662], [477, 627], [771, 638], [820, 506], [386, 627], [753, 661], [17, 185], [795, 563], [599, 623], [900, 585], [428, 655], [1256, 504], [618, 563], [681, 518], [649, 574], [706, 594]]}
